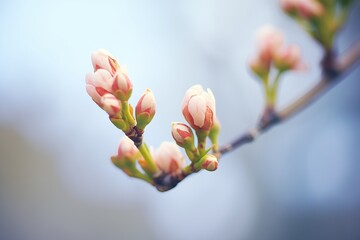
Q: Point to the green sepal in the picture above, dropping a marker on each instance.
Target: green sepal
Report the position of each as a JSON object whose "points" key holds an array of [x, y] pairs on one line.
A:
{"points": [[119, 123], [143, 119], [123, 97], [214, 132]]}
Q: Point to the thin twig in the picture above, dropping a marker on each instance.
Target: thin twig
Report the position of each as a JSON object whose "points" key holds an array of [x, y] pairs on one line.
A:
{"points": [[342, 66]]}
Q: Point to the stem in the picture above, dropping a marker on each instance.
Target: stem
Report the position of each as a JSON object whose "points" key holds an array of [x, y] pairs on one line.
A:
{"points": [[341, 67], [127, 114], [188, 170], [148, 159], [142, 176]]}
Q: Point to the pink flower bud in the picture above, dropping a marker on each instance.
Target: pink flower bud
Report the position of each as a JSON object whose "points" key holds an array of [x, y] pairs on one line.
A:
{"points": [[145, 109], [304, 8], [288, 58], [288, 6], [102, 59], [110, 104], [260, 66], [209, 163], [169, 158], [101, 81], [91, 90], [127, 149], [122, 86], [182, 135], [269, 41], [198, 108], [310, 8]]}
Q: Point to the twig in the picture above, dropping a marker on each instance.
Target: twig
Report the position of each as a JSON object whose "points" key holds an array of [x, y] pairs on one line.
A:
{"points": [[333, 74]]}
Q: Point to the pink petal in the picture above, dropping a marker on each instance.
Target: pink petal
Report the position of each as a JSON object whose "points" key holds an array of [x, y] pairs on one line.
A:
{"points": [[90, 89], [197, 109]]}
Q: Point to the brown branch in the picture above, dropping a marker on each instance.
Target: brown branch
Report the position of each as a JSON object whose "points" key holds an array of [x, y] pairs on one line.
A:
{"points": [[334, 70]]}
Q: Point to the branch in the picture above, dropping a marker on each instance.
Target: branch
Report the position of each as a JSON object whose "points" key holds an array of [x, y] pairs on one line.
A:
{"points": [[334, 70]]}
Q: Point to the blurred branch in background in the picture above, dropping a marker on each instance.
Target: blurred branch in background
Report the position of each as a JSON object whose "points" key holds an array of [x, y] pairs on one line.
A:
{"points": [[343, 65]]}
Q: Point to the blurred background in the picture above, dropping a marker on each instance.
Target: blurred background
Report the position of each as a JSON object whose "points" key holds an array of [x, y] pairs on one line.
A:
{"points": [[297, 181]]}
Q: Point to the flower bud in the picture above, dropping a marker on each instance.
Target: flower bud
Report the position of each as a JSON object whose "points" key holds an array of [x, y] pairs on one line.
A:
{"points": [[289, 6], [91, 89], [198, 108], [310, 8], [127, 149], [269, 41], [145, 109], [122, 86], [304, 8], [208, 162], [287, 58], [98, 84], [102, 59], [182, 135], [126, 157], [169, 159], [260, 67], [110, 104]]}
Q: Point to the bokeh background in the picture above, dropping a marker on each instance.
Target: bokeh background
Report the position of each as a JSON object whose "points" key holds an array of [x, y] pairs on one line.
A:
{"points": [[298, 181]]}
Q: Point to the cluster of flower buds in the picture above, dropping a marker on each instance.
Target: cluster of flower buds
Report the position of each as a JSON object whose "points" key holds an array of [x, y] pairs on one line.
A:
{"points": [[274, 54], [170, 165], [198, 109], [272, 51], [321, 18], [110, 88], [303, 8]]}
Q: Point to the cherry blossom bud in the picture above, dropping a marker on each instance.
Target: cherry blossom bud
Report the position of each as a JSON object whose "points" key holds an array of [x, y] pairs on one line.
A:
{"points": [[98, 84], [169, 159], [102, 59], [91, 89], [269, 41], [110, 104], [289, 6], [260, 66], [208, 162], [288, 57], [145, 109], [126, 157], [183, 135], [122, 86], [310, 8], [304, 8], [127, 149], [198, 108]]}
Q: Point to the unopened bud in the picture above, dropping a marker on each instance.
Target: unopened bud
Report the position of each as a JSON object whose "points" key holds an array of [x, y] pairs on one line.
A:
{"points": [[260, 67], [122, 85], [110, 104], [126, 157], [208, 162], [127, 149], [288, 58], [198, 108], [183, 135], [102, 59], [145, 109], [169, 159], [303, 8], [269, 40]]}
